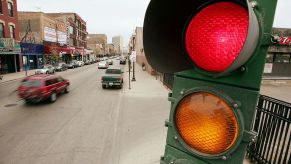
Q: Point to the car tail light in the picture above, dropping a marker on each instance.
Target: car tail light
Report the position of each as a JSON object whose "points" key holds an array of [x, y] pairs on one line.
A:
{"points": [[206, 123]]}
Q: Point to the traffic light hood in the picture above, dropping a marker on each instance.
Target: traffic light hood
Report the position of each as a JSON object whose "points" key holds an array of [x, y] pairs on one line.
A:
{"points": [[164, 32]]}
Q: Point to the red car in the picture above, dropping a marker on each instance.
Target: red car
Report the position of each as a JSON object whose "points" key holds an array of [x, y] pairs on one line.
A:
{"points": [[42, 87]]}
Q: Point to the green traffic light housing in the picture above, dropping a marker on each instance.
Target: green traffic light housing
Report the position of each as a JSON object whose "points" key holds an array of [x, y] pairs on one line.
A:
{"points": [[217, 50]]}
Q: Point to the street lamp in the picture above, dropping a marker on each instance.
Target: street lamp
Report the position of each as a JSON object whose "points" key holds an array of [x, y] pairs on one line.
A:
{"points": [[133, 54]]}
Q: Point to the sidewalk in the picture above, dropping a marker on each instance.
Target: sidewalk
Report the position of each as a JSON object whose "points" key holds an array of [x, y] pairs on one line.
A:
{"points": [[144, 109], [14, 76], [153, 85]]}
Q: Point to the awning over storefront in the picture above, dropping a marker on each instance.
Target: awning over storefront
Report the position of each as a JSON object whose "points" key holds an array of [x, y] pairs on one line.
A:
{"points": [[88, 51], [55, 49], [9, 46], [79, 51], [31, 49]]}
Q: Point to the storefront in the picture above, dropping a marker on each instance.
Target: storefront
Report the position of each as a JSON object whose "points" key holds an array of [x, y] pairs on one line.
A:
{"points": [[89, 55], [278, 62], [32, 56], [55, 54], [9, 56], [66, 54], [78, 54]]}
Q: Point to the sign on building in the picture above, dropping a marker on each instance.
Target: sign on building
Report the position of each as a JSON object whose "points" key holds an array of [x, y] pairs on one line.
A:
{"points": [[50, 34]]}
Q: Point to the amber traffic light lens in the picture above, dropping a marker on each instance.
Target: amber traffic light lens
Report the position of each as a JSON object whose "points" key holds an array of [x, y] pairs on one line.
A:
{"points": [[206, 123]]}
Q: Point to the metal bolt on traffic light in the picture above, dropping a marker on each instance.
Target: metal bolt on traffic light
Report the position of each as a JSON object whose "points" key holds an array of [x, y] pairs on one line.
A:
{"points": [[217, 50]]}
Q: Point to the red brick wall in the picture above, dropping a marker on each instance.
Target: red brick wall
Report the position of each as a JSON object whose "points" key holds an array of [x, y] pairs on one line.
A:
{"points": [[7, 19]]}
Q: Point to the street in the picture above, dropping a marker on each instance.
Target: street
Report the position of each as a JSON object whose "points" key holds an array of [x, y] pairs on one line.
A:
{"points": [[87, 125]]}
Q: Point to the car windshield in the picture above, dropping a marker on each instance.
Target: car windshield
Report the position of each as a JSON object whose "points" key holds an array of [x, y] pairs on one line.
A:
{"points": [[31, 83], [113, 71]]}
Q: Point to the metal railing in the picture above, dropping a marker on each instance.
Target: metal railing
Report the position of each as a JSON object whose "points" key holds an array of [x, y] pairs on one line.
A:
{"points": [[272, 123]]}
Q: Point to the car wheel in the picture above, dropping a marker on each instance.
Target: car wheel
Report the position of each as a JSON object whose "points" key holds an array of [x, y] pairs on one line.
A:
{"points": [[53, 97], [67, 89], [47, 72], [104, 86]]}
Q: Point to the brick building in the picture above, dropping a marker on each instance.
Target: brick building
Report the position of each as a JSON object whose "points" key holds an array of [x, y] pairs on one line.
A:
{"points": [[42, 39], [10, 58], [98, 43], [63, 36], [278, 62], [136, 43]]}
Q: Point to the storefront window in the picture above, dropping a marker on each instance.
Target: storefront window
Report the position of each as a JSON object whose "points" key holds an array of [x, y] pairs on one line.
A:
{"points": [[1, 12], [282, 58], [71, 30], [270, 58]]}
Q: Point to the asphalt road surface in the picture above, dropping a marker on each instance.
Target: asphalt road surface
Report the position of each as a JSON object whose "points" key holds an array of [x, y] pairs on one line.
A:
{"points": [[87, 125]]}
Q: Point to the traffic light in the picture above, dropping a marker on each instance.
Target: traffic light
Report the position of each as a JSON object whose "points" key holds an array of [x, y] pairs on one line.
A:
{"points": [[217, 50]]}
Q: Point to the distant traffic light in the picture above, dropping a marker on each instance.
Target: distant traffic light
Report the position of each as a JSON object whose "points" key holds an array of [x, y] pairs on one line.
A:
{"points": [[217, 50]]}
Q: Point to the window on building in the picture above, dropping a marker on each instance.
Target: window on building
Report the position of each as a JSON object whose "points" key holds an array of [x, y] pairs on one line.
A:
{"points": [[282, 58], [10, 9], [2, 32], [71, 42], [270, 58], [1, 11], [71, 30], [12, 31]]}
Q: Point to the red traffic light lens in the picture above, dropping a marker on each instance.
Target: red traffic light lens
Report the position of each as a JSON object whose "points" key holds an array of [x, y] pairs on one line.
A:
{"points": [[216, 35]]}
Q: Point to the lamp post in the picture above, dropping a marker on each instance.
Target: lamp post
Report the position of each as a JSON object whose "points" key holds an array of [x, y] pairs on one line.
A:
{"points": [[133, 58], [129, 66]]}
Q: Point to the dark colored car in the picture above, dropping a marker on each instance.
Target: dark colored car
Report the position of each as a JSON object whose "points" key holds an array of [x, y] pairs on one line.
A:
{"points": [[109, 62], [42, 87], [113, 77], [61, 67], [122, 61]]}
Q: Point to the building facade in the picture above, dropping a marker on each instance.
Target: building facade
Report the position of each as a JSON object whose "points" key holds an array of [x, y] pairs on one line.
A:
{"points": [[136, 43], [63, 36], [117, 41], [10, 57], [110, 48], [98, 43], [76, 34], [278, 62], [42, 38]]}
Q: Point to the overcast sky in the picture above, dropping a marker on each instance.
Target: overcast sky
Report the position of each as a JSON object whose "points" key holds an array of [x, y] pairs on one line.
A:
{"points": [[120, 17]]}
